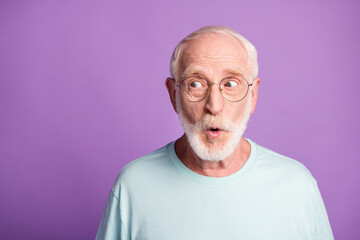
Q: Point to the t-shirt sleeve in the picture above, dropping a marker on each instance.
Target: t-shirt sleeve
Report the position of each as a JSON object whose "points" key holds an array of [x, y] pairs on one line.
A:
{"points": [[110, 226], [322, 230]]}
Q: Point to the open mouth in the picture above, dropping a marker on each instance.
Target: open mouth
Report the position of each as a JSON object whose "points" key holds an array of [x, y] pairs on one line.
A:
{"points": [[214, 132]]}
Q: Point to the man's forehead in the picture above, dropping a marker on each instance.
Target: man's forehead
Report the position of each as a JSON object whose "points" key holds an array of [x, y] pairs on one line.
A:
{"points": [[211, 48], [213, 41]]}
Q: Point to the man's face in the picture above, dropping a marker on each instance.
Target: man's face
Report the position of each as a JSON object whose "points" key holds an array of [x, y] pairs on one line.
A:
{"points": [[213, 126]]}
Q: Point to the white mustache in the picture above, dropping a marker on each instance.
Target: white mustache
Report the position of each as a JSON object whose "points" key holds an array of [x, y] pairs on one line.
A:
{"points": [[218, 121]]}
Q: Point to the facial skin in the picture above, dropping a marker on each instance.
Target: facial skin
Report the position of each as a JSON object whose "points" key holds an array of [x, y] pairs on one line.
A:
{"points": [[213, 56]]}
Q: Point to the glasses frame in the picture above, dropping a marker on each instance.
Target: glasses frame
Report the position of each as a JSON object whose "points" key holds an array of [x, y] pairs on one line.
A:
{"points": [[209, 85]]}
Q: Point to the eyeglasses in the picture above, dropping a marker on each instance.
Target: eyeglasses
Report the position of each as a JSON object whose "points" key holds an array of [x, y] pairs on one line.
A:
{"points": [[196, 88]]}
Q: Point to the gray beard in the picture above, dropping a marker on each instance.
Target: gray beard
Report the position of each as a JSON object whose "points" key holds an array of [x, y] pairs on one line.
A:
{"points": [[214, 152]]}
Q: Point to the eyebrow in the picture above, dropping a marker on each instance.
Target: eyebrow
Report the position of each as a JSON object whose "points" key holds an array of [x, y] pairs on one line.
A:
{"points": [[235, 72], [192, 71], [196, 70]]}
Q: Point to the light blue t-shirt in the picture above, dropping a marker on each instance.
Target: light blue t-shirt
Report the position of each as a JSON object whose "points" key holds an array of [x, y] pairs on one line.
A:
{"points": [[156, 197]]}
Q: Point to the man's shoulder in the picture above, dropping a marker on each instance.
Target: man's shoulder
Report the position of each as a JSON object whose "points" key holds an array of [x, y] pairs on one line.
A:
{"points": [[276, 163], [140, 168], [152, 158]]}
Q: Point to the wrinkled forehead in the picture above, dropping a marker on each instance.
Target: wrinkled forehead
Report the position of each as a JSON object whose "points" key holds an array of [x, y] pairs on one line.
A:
{"points": [[214, 50]]}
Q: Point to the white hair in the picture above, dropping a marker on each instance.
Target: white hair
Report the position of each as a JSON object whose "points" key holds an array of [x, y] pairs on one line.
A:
{"points": [[249, 48]]}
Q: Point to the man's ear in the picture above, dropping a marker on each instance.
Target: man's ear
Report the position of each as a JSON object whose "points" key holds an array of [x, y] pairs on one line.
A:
{"points": [[170, 85], [254, 94]]}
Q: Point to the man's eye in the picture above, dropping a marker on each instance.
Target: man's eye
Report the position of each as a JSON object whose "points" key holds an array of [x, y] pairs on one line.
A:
{"points": [[195, 84], [231, 83]]}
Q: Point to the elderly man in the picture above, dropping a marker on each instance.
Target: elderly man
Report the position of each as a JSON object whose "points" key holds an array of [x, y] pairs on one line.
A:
{"points": [[211, 183]]}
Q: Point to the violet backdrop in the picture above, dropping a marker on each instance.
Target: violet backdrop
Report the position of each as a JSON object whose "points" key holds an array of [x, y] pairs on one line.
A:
{"points": [[82, 93]]}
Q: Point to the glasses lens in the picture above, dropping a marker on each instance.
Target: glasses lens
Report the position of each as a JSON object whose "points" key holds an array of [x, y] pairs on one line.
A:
{"points": [[234, 89], [194, 89]]}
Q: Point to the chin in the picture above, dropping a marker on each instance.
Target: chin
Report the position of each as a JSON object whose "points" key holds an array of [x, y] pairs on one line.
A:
{"points": [[214, 150]]}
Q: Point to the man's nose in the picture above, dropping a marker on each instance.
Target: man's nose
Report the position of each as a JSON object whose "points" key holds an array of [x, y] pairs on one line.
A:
{"points": [[214, 100]]}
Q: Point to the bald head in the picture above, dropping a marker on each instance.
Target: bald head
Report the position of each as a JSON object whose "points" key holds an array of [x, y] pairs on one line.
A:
{"points": [[209, 49], [210, 35]]}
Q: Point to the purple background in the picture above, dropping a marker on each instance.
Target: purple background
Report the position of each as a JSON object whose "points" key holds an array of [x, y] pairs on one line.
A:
{"points": [[82, 93]]}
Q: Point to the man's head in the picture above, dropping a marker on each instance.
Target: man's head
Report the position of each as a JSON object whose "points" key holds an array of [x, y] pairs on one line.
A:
{"points": [[249, 48], [211, 72]]}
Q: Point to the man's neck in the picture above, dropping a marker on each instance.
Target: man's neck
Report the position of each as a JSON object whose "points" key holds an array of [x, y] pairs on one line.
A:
{"points": [[221, 168]]}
